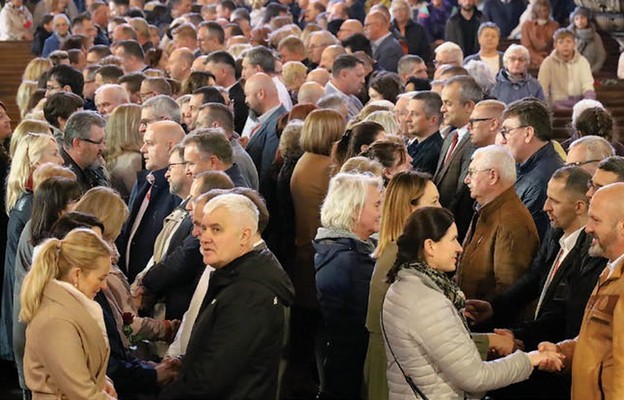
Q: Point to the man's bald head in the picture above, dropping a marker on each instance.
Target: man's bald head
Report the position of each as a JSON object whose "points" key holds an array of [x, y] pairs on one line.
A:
{"points": [[376, 25], [348, 28], [606, 222], [310, 93], [261, 93], [109, 96], [329, 56], [160, 137], [319, 75], [180, 63]]}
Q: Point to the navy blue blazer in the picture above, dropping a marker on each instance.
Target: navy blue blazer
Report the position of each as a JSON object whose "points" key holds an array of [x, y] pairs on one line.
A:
{"points": [[161, 203], [425, 154], [388, 54]]}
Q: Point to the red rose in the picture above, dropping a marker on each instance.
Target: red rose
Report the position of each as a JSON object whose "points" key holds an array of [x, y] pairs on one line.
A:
{"points": [[127, 318], [27, 24]]}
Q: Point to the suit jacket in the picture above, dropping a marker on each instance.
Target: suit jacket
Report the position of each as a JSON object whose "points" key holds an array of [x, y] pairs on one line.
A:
{"points": [[70, 333], [161, 203], [262, 148], [236, 176], [416, 39], [597, 362], [425, 154], [449, 178], [388, 54], [498, 248], [237, 95], [245, 163]]}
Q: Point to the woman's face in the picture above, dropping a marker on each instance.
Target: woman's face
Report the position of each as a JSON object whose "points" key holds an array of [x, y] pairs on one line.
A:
{"points": [[92, 281], [489, 38], [50, 154], [374, 95], [429, 198], [370, 216], [399, 166], [443, 255], [542, 12], [580, 21]]}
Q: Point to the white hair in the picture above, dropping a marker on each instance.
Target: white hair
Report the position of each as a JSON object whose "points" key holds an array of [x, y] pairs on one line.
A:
{"points": [[515, 48], [345, 199], [245, 210], [450, 47], [385, 119], [499, 158], [482, 74], [120, 93], [583, 105], [596, 147]]}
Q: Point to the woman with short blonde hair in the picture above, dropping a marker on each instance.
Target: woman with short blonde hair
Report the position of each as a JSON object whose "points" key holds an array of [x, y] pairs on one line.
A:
{"points": [[320, 130], [24, 92], [123, 142], [25, 127], [35, 68], [106, 205]]}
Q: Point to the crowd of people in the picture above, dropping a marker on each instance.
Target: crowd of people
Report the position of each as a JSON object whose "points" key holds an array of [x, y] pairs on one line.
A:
{"points": [[332, 199]]}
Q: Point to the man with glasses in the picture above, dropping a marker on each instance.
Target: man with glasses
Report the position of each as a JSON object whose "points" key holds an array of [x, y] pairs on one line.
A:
{"points": [[485, 122], [158, 108], [610, 170], [588, 151], [527, 131], [63, 78], [502, 238], [83, 146], [387, 51]]}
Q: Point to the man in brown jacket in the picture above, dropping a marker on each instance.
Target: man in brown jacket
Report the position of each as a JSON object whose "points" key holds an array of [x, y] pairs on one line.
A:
{"points": [[596, 355], [502, 238]]}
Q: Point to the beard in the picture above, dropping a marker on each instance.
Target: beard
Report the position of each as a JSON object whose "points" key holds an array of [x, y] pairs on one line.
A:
{"points": [[595, 250]]}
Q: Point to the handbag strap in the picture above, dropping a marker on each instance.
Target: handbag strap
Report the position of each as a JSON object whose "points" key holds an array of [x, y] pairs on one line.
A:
{"points": [[408, 378]]}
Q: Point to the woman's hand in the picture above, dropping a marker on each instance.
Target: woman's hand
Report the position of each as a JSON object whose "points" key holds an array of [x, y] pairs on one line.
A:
{"points": [[109, 388], [547, 360]]}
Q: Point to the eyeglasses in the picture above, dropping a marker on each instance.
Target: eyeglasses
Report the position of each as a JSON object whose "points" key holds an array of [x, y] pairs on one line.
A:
{"points": [[579, 163], [146, 122], [473, 172], [170, 166], [97, 142], [472, 121], [506, 131]]}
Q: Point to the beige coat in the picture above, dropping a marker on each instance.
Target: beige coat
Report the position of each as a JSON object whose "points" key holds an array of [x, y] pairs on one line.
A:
{"points": [[66, 354], [597, 354]]}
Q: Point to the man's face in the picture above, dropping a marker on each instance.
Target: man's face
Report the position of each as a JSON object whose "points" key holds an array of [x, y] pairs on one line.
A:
{"points": [[93, 147], [315, 48], [126, 62], [419, 71], [445, 58], [455, 113], [184, 7], [253, 101], [479, 126], [177, 68], [205, 42], [311, 12], [53, 87], [223, 239], [478, 180], [89, 86], [348, 28], [559, 205], [355, 79], [489, 38], [5, 124], [417, 121], [197, 214], [372, 28], [514, 139], [577, 155], [565, 46], [599, 179], [195, 163], [600, 226], [155, 150], [401, 112], [467, 5], [87, 29], [176, 174], [106, 101], [61, 26], [517, 64], [249, 70], [196, 101], [146, 92]]}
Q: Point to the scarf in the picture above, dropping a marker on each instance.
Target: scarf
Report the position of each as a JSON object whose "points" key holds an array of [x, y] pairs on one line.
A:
{"points": [[583, 38], [446, 285]]}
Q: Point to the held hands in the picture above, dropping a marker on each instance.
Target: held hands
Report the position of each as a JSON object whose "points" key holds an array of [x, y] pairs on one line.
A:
{"points": [[547, 360], [549, 364], [167, 371], [503, 343], [478, 311]]}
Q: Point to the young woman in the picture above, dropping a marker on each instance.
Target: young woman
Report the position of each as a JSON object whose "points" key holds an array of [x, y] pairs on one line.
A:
{"points": [[426, 334], [57, 303], [392, 155]]}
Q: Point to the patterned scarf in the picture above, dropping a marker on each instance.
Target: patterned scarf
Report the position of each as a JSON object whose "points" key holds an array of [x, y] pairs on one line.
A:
{"points": [[443, 282]]}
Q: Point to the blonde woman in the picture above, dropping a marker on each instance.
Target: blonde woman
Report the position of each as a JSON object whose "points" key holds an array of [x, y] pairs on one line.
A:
{"points": [[385, 119], [24, 128], [108, 207], [406, 192], [57, 304], [24, 92], [123, 141], [35, 68]]}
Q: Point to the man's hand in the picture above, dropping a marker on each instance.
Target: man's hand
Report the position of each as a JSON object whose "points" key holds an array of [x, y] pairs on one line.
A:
{"points": [[478, 311], [109, 388], [547, 360], [243, 141], [167, 371]]}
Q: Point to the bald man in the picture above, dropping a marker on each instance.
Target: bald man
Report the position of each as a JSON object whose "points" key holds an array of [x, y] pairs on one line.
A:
{"points": [[107, 97], [348, 28], [597, 349], [261, 96], [485, 122], [329, 56], [386, 49], [319, 75], [180, 64], [150, 199], [310, 93]]}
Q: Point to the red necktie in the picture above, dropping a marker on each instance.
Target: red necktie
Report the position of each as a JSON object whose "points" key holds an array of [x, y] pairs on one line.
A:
{"points": [[452, 146]]}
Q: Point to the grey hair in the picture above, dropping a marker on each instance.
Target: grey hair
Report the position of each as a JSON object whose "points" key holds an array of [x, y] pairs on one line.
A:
{"points": [[120, 92], [469, 89], [513, 48], [385, 119], [79, 126], [481, 74], [261, 56], [236, 204], [164, 107], [346, 198], [499, 158], [450, 47], [407, 62], [596, 147]]}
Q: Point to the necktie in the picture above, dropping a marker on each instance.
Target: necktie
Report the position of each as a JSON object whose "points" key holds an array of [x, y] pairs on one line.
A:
{"points": [[454, 140]]}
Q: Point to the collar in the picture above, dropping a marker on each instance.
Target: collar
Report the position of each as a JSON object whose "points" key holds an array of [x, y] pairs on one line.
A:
{"points": [[461, 132], [490, 208], [378, 42], [231, 86], [567, 243], [613, 265], [529, 164], [262, 119]]}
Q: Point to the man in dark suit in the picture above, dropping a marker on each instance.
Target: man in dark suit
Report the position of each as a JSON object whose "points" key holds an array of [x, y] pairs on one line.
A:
{"points": [[459, 96], [243, 311], [387, 51], [222, 65], [423, 124], [262, 98], [150, 199]]}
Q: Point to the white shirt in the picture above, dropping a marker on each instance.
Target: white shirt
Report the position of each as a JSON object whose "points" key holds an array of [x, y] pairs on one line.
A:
{"points": [[614, 264], [283, 94]]}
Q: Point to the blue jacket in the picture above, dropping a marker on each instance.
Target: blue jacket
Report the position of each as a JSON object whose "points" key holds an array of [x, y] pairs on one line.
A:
{"points": [[505, 15], [532, 181], [51, 44], [509, 91], [388, 54], [425, 154]]}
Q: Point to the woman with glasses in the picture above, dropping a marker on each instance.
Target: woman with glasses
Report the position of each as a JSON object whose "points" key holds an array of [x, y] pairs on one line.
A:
{"points": [[513, 81]]}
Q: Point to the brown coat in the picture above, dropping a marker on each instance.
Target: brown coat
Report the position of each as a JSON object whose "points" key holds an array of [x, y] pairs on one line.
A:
{"points": [[538, 39], [308, 186], [66, 355], [499, 249], [597, 353]]}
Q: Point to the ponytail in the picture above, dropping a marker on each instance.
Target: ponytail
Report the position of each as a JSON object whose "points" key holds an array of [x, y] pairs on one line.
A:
{"points": [[44, 269], [340, 150]]}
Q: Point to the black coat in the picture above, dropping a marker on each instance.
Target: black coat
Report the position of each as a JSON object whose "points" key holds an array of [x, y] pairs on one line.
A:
{"points": [[87, 178], [39, 39], [425, 154], [416, 39], [161, 203], [241, 111], [237, 340], [175, 276]]}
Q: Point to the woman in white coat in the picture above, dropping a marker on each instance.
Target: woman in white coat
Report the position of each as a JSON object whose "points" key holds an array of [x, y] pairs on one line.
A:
{"points": [[428, 344]]}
